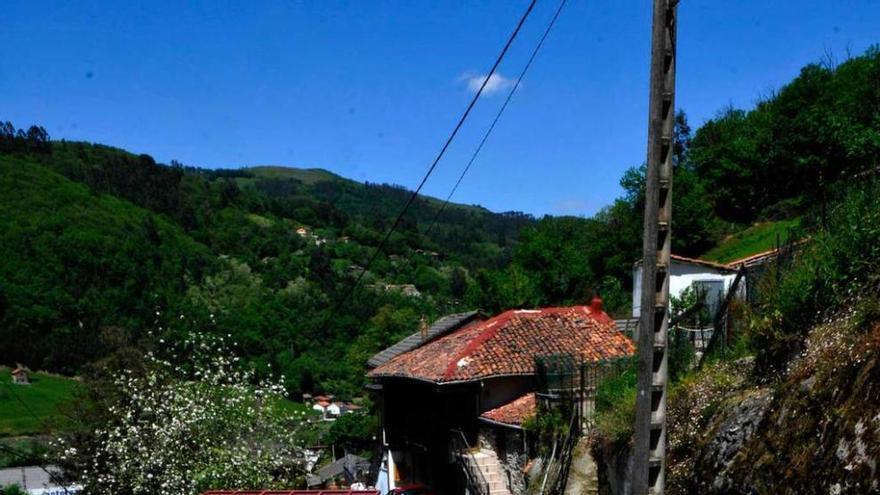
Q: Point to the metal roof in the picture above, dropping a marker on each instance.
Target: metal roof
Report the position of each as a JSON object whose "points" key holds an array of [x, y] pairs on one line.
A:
{"points": [[349, 463], [440, 327]]}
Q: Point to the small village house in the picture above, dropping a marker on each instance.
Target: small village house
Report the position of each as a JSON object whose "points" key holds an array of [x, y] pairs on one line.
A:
{"points": [[20, 376], [710, 278], [467, 383], [329, 408], [341, 473]]}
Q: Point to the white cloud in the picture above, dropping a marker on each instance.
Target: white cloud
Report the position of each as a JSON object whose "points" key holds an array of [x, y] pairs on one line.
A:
{"points": [[496, 83]]}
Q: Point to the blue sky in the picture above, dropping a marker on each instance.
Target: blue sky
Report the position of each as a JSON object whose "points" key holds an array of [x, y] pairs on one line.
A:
{"points": [[370, 90]]}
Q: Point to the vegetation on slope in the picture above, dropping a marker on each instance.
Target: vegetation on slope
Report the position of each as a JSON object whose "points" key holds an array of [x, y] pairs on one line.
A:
{"points": [[72, 261], [24, 409], [799, 414], [758, 238]]}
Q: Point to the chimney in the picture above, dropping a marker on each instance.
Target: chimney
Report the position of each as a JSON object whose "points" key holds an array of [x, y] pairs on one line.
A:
{"points": [[423, 328], [596, 305]]}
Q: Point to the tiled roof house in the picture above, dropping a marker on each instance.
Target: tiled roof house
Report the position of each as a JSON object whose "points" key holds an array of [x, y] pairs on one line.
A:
{"points": [[467, 374], [507, 345]]}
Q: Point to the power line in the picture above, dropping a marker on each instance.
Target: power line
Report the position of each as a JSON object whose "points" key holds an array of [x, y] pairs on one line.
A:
{"points": [[439, 156], [497, 116], [21, 401]]}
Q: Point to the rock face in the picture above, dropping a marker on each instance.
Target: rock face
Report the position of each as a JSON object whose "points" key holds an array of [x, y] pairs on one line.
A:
{"points": [[614, 469], [731, 432], [815, 431]]}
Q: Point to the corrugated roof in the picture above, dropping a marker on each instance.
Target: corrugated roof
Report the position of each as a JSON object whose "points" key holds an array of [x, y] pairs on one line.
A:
{"points": [[349, 462], [693, 261], [440, 327], [508, 344]]}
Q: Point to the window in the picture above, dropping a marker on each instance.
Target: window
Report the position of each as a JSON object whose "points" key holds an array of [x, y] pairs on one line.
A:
{"points": [[712, 291]]}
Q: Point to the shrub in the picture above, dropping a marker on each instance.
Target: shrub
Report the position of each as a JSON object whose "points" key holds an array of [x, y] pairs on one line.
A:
{"points": [[616, 406], [840, 262]]}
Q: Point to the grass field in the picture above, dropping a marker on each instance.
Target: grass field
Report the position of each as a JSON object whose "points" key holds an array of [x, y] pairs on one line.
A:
{"points": [[755, 239], [25, 408]]}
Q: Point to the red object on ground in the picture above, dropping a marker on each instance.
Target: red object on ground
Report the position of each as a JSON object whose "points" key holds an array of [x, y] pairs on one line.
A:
{"points": [[292, 492], [412, 490]]}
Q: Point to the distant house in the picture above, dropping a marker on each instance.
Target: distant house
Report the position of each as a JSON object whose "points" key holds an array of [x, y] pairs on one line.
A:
{"points": [[713, 279], [303, 232], [329, 410], [408, 290], [20, 376], [342, 472], [463, 387], [349, 408]]}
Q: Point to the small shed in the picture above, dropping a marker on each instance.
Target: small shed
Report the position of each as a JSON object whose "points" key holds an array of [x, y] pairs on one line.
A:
{"points": [[20, 376], [714, 279]]}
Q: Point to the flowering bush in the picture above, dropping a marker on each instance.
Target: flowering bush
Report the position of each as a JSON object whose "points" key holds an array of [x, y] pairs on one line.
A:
{"points": [[182, 429]]}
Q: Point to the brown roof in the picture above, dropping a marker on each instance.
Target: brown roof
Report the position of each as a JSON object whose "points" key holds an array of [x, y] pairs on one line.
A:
{"points": [[508, 343], [763, 257], [694, 261], [513, 413]]}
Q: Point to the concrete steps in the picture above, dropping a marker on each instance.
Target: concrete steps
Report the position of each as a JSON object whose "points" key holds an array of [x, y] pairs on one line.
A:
{"points": [[493, 473]]}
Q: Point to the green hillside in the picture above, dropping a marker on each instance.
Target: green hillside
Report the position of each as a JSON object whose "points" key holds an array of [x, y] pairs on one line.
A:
{"points": [[99, 247], [25, 408], [758, 238], [73, 262], [305, 175]]}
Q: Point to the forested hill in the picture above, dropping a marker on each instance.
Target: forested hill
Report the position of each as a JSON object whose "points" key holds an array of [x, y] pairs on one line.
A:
{"points": [[98, 246]]}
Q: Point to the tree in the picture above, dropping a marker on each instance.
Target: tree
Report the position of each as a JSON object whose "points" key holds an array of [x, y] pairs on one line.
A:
{"points": [[184, 429], [354, 433]]}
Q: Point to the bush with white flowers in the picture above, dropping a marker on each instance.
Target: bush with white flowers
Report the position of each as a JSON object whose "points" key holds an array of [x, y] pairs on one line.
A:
{"points": [[182, 429]]}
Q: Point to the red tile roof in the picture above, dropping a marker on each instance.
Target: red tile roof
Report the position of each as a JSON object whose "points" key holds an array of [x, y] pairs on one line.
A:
{"points": [[513, 413], [292, 492], [508, 343]]}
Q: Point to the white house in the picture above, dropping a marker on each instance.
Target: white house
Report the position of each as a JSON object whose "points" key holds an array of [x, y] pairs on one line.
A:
{"points": [[329, 410], [713, 278]]}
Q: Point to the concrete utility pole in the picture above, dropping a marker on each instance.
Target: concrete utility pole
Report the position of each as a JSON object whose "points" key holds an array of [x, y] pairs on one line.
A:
{"points": [[649, 445]]}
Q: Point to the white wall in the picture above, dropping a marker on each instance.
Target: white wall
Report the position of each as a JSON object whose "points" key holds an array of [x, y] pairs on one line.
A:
{"points": [[682, 275]]}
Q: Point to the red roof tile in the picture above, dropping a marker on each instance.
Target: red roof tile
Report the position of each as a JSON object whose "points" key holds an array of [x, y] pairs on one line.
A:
{"points": [[508, 343], [292, 492], [513, 413]]}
